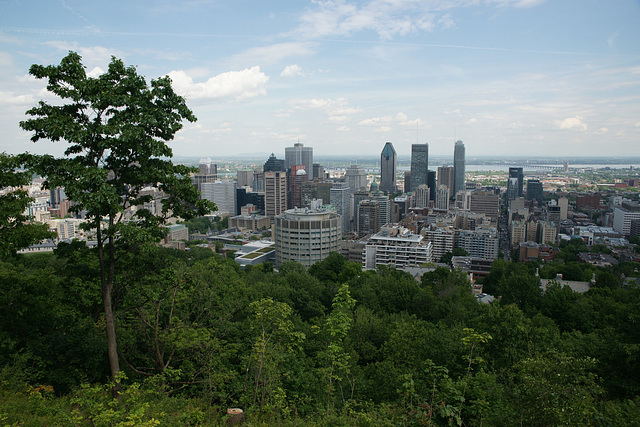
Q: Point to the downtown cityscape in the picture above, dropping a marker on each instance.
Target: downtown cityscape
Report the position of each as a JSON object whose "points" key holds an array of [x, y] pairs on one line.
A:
{"points": [[320, 213]]}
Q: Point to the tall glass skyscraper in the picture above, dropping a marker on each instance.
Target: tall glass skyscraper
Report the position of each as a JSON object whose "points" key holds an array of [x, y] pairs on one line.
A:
{"points": [[459, 166], [419, 165], [299, 155], [388, 169]]}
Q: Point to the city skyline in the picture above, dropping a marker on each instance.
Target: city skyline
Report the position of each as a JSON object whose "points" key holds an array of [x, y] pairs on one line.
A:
{"points": [[508, 77]]}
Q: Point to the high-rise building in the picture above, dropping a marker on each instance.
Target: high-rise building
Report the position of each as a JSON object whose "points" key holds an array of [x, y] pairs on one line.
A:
{"points": [[442, 239], [431, 182], [442, 198], [207, 172], [274, 164], [459, 167], [297, 176], [407, 181], [245, 177], [244, 198], [368, 217], [223, 194], [486, 202], [316, 189], [306, 235], [534, 190], [419, 165], [275, 193], [515, 188], [422, 196], [388, 165], [480, 243], [356, 177], [299, 155], [623, 215], [341, 200], [446, 177], [318, 171]]}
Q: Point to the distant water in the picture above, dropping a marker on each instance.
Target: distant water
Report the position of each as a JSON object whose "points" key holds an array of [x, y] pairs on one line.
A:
{"points": [[505, 168]]}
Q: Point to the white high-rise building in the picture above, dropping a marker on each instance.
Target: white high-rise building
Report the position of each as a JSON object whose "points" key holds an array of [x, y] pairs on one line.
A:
{"points": [[396, 246], [356, 177]]}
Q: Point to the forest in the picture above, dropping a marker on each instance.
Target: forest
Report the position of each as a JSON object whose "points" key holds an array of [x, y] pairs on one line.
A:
{"points": [[331, 345]]}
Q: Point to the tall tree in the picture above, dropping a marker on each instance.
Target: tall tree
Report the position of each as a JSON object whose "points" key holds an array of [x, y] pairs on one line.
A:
{"points": [[117, 167], [15, 230]]}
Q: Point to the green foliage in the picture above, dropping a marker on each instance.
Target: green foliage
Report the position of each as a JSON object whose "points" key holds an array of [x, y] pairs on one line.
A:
{"points": [[15, 231]]}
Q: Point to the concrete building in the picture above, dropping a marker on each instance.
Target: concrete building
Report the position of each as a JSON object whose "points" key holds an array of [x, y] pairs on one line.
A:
{"points": [[306, 235], [623, 215], [442, 198], [316, 189], [341, 200], [442, 239], [297, 176], [275, 193], [463, 200], [446, 177], [368, 217], [421, 198], [563, 202], [223, 194], [459, 167], [356, 177], [245, 177], [299, 155], [318, 171], [419, 165], [250, 222], [388, 165], [396, 246], [486, 202], [177, 232], [480, 243]]}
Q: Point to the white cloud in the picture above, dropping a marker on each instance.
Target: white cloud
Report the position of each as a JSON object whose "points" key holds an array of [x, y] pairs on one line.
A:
{"points": [[602, 131], [241, 85], [272, 54], [572, 123], [343, 129], [473, 120], [92, 56], [292, 71], [399, 119], [337, 110]]}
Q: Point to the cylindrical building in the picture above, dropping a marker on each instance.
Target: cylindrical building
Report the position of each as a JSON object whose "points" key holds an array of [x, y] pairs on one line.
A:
{"points": [[306, 235]]}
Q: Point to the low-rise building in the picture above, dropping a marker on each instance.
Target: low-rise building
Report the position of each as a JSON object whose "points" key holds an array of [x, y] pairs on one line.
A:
{"points": [[396, 246]]}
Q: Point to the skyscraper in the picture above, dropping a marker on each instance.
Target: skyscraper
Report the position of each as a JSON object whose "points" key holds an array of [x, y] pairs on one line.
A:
{"points": [[341, 199], [356, 177], [274, 164], [458, 167], [446, 177], [275, 193], [299, 155], [420, 165], [388, 169], [518, 191]]}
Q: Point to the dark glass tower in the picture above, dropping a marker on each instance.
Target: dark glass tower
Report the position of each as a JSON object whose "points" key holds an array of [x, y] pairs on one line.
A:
{"points": [[419, 165], [388, 169]]}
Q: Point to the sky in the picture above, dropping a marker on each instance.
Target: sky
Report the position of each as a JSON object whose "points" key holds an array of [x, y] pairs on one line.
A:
{"points": [[507, 77]]}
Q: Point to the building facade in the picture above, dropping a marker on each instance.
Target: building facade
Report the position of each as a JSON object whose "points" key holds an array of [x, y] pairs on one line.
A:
{"points": [[306, 235], [396, 246], [275, 193], [299, 155], [388, 166], [459, 167], [419, 165]]}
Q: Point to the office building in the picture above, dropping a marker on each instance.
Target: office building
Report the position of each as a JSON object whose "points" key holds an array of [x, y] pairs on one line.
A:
{"points": [[244, 198], [318, 171], [299, 155], [297, 176], [245, 178], [407, 182], [368, 218], [207, 172], [431, 182], [275, 193], [396, 246], [274, 164], [515, 188], [223, 194], [486, 202], [442, 239], [388, 165], [623, 215], [385, 207], [315, 190], [442, 198], [446, 177], [480, 243], [356, 177], [534, 190], [459, 167], [422, 196], [341, 200], [419, 166], [306, 235]]}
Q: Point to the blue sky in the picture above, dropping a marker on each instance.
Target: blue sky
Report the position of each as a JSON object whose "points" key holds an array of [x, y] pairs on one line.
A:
{"points": [[508, 77]]}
